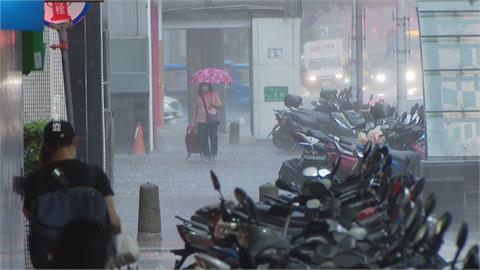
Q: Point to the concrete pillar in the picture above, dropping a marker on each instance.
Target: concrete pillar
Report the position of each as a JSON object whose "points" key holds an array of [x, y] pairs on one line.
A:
{"points": [[234, 137], [356, 68], [401, 53], [205, 48], [276, 68], [149, 220]]}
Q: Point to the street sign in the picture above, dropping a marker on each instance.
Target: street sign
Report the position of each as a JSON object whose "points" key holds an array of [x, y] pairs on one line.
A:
{"points": [[275, 53], [63, 12], [275, 93]]}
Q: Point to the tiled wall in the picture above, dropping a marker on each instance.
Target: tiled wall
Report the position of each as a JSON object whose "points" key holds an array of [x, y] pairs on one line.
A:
{"points": [[11, 148], [43, 95]]}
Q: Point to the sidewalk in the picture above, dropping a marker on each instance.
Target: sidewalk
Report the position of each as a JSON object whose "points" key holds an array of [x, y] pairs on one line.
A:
{"points": [[185, 184]]}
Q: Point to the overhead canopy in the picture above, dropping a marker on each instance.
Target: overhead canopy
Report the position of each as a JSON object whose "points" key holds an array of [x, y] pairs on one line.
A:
{"points": [[187, 14]]}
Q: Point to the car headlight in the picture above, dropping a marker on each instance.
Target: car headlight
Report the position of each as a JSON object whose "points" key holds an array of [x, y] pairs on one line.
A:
{"points": [[410, 76], [381, 77], [312, 78]]}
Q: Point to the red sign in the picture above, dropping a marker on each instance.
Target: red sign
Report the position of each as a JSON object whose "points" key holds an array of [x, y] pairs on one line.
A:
{"points": [[60, 11]]}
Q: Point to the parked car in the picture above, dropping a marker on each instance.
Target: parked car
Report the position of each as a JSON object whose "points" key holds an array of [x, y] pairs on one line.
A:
{"points": [[172, 109]]}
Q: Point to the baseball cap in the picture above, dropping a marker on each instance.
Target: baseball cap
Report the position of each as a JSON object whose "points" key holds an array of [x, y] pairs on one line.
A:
{"points": [[58, 131]]}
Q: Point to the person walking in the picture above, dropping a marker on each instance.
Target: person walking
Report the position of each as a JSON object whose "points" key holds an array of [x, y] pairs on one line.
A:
{"points": [[58, 170], [207, 119]]}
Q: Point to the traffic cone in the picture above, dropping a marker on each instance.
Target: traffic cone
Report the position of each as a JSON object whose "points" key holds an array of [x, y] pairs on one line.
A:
{"points": [[138, 143]]}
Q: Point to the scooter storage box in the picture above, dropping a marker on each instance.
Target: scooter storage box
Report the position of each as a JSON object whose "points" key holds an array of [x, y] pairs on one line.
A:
{"points": [[313, 161], [290, 170], [293, 101]]}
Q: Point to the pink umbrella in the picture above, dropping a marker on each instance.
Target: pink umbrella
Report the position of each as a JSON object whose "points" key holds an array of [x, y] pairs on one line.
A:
{"points": [[211, 75]]}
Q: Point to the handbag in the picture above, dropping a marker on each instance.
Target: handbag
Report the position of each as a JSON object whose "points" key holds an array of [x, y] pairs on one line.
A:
{"points": [[125, 252], [212, 119]]}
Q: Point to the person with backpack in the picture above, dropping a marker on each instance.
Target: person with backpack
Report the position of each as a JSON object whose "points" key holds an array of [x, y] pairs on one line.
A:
{"points": [[63, 189], [82, 244]]}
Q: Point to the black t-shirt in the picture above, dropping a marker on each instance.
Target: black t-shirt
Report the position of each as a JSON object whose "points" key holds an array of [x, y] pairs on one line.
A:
{"points": [[77, 173]]}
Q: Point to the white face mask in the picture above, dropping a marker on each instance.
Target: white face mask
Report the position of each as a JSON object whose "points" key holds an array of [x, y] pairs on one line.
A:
{"points": [[204, 88]]}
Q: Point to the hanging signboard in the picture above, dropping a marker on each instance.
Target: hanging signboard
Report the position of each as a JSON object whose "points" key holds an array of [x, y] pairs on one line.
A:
{"points": [[63, 12], [275, 93], [25, 15]]}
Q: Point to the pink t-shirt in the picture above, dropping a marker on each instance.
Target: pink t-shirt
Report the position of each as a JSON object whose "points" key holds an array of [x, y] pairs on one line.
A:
{"points": [[211, 98]]}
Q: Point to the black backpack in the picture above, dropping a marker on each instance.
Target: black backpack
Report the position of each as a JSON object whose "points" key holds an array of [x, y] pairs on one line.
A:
{"points": [[52, 211]]}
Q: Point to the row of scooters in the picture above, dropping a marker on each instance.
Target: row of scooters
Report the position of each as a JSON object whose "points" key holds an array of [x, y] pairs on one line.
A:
{"points": [[370, 218], [338, 129]]}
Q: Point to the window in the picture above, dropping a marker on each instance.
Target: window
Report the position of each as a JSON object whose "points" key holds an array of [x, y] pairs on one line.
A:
{"points": [[449, 96], [468, 131]]}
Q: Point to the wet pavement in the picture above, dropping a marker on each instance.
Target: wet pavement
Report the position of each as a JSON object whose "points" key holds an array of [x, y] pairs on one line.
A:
{"points": [[185, 184]]}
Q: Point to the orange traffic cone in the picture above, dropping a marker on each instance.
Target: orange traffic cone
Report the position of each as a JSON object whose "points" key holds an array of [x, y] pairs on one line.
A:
{"points": [[138, 143]]}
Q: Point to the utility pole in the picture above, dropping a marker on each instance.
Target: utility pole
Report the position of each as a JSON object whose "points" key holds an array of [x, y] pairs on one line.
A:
{"points": [[357, 51], [401, 53]]}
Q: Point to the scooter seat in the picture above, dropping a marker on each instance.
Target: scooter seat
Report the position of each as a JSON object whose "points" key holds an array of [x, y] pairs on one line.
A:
{"points": [[309, 118], [318, 134]]}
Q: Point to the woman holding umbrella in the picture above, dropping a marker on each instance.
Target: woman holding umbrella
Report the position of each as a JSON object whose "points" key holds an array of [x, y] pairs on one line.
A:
{"points": [[206, 118], [205, 109]]}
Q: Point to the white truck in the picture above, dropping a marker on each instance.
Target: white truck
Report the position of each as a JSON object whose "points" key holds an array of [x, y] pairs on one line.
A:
{"points": [[324, 63]]}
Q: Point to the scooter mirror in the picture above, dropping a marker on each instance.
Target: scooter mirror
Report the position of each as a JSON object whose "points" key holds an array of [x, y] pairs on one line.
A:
{"points": [[405, 197], [414, 109], [420, 235], [443, 223], [310, 172], [323, 172], [462, 236], [336, 166], [215, 182], [411, 217], [461, 240], [472, 259], [240, 195], [418, 188], [440, 228], [313, 204], [430, 204], [404, 116]]}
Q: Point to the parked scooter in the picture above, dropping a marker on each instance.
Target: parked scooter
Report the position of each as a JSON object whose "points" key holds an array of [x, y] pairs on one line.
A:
{"points": [[369, 219]]}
